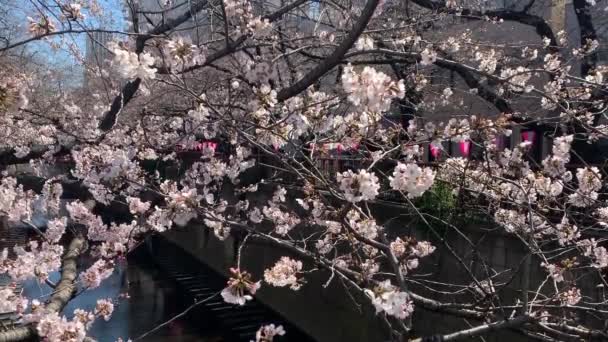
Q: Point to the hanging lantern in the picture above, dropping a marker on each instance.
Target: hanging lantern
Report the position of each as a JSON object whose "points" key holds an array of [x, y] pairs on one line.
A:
{"points": [[465, 147], [435, 151], [499, 142], [528, 136]]}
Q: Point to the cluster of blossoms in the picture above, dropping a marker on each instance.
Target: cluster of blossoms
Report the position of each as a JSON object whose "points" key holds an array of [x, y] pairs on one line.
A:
{"points": [[555, 164], [15, 203], [240, 14], [12, 95], [571, 297], [409, 251], [41, 26], [283, 220], [458, 130], [53, 328], [81, 214], [365, 226], [371, 90], [309, 112], [181, 203], [94, 275], [11, 302], [216, 223], [386, 298], [514, 221], [51, 199], [103, 166], [37, 260], [361, 186], [566, 232], [55, 229], [72, 11], [488, 60], [365, 43], [517, 78], [589, 183], [597, 253], [240, 288], [428, 56], [557, 271], [104, 308], [137, 206], [183, 53], [284, 273], [131, 65], [412, 179], [268, 332], [115, 239]]}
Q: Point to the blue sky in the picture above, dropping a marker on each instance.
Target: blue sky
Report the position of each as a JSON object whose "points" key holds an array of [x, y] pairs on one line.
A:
{"points": [[112, 19]]}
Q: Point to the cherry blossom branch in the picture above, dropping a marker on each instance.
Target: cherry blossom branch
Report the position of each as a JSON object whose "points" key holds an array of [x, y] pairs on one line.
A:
{"points": [[428, 304], [334, 58], [64, 32], [128, 91], [484, 328], [172, 319], [62, 293]]}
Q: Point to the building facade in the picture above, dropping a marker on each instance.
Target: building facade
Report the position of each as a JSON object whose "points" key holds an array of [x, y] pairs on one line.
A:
{"points": [[96, 53]]}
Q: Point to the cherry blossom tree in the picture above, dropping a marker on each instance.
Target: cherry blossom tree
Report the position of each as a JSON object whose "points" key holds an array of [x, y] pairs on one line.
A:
{"points": [[275, 85]]}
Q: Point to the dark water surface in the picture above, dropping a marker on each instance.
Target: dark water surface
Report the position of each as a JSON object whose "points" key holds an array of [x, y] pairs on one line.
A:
{"points": [[152, 301]]}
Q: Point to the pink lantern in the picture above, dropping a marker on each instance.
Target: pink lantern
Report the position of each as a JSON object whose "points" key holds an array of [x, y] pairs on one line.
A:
{"points": [[499, 142], [339, 148], [528, 136], [465, 148], [435, 151]]}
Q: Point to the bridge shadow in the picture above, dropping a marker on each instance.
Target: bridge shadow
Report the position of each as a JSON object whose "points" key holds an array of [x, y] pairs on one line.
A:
{"points": [[196, 282]]}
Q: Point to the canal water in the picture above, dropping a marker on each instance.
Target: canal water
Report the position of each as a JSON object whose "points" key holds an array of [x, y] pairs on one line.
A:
{"points": [[143, 300]]}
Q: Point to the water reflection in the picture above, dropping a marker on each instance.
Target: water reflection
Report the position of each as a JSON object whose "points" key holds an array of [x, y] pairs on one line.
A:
{"points": [[151, 301]]}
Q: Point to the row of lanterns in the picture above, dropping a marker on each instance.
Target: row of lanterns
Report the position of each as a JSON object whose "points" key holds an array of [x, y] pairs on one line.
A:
{"points": [[197, 146], [464, 147], [435, 152]]}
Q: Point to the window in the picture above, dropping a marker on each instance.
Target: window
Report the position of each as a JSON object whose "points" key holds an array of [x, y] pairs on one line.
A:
{"points": [[314, 10]]}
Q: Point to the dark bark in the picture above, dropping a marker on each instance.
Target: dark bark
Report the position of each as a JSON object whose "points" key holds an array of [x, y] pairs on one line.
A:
{"points": [[120, 101], [336, 56], [128, 91], [585, 22], [541, 25]]}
